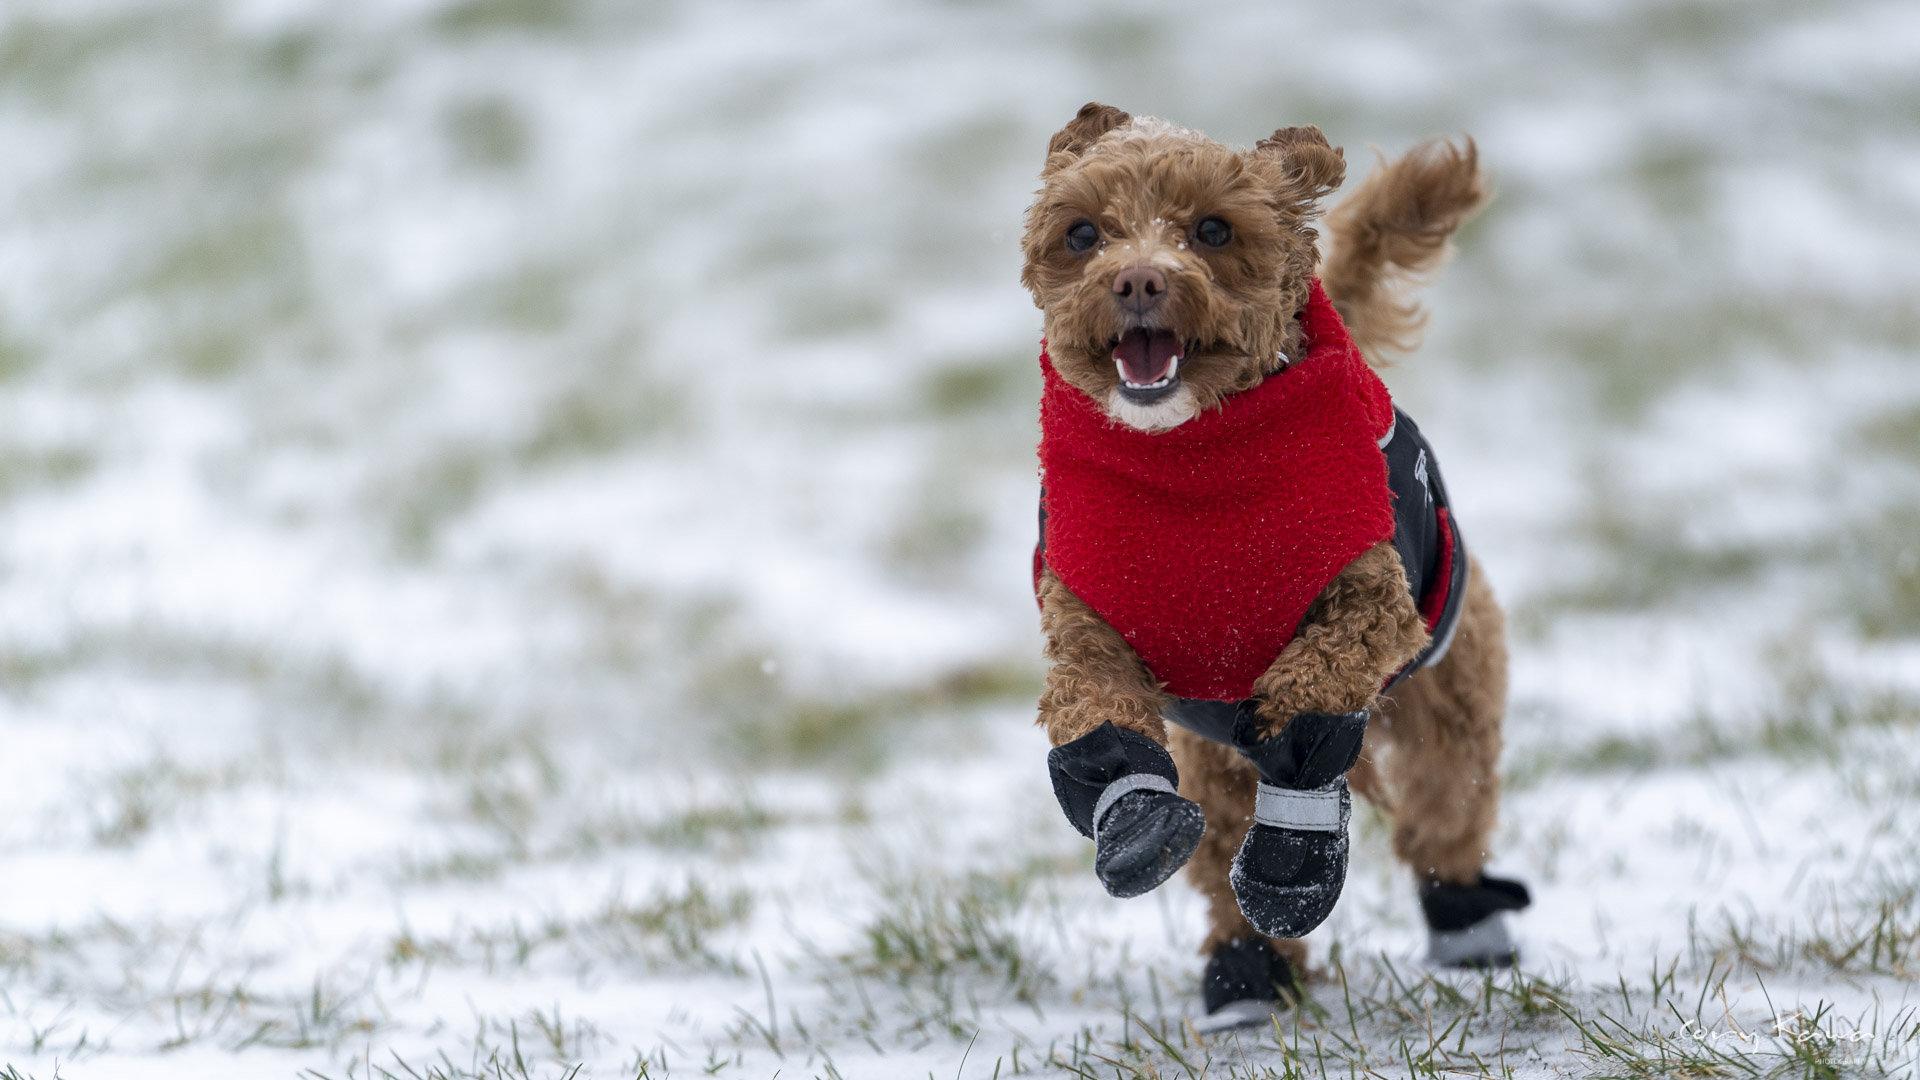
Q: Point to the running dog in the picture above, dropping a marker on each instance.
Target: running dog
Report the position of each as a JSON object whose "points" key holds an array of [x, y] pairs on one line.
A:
{"points": [[1254, 592]]}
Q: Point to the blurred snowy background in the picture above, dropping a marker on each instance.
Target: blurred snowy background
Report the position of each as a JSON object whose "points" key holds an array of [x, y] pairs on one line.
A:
{"points": [[514, 520]]}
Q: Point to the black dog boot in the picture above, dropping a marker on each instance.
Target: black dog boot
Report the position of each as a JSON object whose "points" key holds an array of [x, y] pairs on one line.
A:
{"points": [[1246, 982], [1293, 863], [1467, 924], [1117, 787]]}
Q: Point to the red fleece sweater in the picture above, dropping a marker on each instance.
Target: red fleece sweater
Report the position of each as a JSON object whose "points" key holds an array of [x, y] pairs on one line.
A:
{"points": [[1203, 545]]}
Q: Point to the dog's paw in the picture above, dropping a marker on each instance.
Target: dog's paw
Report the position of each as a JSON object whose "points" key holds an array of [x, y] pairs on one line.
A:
{"points": [[1467, 924], [1117, 787], [1292, 865], [1145, 837], [1245, 983], [1287, 879]]}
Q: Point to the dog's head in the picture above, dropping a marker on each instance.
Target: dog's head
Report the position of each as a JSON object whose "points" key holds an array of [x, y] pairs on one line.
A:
{"points": [[1170, 267]]}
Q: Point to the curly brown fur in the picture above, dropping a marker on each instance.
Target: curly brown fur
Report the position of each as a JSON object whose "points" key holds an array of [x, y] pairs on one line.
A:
{"points": [[1392, 234], [1145, 185], [1361, 629], [1095, 676], [1440, 732]]}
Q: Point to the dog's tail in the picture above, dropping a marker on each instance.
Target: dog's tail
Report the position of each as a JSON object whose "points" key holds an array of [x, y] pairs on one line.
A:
{"points": [[1390, 236]]}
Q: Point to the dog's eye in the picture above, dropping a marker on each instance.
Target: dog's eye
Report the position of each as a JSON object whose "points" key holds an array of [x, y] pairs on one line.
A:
{"points": [[1082, 236], [1213, 232]]}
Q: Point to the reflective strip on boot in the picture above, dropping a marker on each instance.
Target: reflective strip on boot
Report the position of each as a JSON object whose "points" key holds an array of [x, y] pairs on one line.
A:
{"points": [[1242, 1013], [1307, 811], [1484, 941], [1131, 782]]}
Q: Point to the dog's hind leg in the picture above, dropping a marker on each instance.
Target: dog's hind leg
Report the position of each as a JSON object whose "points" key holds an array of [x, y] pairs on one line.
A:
{"points": [[1441, 731]]}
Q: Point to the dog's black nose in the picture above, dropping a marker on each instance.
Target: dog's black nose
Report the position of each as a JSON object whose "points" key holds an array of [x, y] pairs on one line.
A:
{"points": [[1139, 288]]}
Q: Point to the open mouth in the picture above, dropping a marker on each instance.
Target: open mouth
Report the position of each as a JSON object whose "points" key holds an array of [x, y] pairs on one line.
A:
{"points": [[1149, 363]]}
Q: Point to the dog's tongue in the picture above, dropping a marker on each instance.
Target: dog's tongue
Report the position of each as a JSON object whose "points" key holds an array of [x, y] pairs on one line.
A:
{"points": [[1146, 356]]}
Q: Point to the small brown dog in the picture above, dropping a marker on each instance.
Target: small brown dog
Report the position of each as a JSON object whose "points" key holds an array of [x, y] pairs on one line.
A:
{"points": [[1243, 539]]}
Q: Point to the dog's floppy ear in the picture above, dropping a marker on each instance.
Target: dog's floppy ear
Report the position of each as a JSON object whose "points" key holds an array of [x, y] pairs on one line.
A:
{"points": [[1314, 167], [1092, 121]]}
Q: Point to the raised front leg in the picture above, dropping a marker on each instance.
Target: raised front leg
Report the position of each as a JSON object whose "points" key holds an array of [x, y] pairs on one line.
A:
{"points": [[1095, 677], [1302, 731], [1361, 629], [1110, 768]]}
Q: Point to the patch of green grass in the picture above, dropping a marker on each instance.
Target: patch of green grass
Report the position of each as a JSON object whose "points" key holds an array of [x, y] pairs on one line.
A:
{"points": [[1677, 179], [1374, 1019], [933, 949], [684, 924], [699, 827], [536, 299], [505, 786], [605, 409], [934, 539], [1868, 566], [436, 491], [487, 134], [1881, 578], [469, 866], [509, 1049], [227, 252], [232, 283], [322, 685], [670, 928], [16, 356], [1896, 433], [767, 725], [730, 827], [933, 930], [600, 417], [820, 313], [1880, 557], [134, 800], [996, 384], [180, 974], [45, 58], [964, 157], [845, 733], [206, 179], [288, 58], [1857, 928], [23, 470], [215, 330], [1812, 722], [1122, 41], [1636, 356], [1647, 562], [512, 798]]}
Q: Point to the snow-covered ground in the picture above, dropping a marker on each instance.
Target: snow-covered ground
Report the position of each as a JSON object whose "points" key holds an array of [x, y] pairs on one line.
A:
{"points": [[514, 520]]}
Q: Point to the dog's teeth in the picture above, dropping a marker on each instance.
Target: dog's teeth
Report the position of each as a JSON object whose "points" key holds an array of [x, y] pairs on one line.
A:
{"points": [[1172, 370]]}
